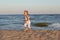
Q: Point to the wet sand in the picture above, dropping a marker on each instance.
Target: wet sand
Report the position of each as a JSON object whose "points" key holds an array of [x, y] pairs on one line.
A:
{"points": [[34, 35]]}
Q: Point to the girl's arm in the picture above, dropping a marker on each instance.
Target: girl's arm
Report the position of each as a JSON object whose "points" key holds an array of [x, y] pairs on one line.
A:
{"points": [[27, 18]]}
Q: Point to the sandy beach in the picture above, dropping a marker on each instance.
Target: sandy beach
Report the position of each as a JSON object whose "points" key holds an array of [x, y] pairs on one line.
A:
{"points": [[34, 35]]}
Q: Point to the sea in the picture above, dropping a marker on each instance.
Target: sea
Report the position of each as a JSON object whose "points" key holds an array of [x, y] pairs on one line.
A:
{"points": [[15, 21]]}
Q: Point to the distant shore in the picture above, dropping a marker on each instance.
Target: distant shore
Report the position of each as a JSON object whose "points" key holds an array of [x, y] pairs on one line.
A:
{"points": [[34, 35]]}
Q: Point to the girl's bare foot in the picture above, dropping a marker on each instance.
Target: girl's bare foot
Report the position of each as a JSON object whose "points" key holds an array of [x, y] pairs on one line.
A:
{"points": [[25, 30], [30, 29]]}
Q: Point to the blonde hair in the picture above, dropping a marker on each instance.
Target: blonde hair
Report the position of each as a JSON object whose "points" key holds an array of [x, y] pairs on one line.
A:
{"points": [[26, 11]]}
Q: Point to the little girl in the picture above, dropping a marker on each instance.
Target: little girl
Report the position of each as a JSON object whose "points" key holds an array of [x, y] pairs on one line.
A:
{"points": [[27, 21]]}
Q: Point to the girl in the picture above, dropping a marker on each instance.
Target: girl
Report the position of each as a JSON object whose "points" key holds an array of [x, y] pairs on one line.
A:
{"points": [[27, 21]]}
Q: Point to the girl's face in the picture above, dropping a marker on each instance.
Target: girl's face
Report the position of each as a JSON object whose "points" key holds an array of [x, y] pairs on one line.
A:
{"points": [[25, 13]]}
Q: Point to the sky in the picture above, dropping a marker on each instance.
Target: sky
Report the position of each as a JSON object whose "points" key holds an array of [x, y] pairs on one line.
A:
{"points": [[33, 6]]}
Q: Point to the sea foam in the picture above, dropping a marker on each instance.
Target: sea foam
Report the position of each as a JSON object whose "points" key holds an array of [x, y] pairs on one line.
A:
{"points": [[55, 25]]}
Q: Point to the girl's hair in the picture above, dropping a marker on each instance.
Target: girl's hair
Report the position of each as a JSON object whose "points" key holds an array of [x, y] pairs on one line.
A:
{"points": [[26, 11]]}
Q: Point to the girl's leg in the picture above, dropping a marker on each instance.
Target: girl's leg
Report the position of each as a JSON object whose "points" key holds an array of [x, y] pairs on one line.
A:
{"points": [[29, 27], [25, 27]]}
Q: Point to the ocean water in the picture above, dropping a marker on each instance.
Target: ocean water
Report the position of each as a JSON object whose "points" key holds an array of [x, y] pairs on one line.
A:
{"points": [[15, 22]]}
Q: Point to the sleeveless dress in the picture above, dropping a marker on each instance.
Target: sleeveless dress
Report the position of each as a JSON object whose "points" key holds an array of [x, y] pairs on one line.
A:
{"points": [[27, 24]]}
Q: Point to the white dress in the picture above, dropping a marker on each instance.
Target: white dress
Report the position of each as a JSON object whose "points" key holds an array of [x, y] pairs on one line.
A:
{"points": [[27, 24]]}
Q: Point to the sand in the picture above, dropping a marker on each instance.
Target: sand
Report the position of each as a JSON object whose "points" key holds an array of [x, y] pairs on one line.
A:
{"points": [[34, 35]]}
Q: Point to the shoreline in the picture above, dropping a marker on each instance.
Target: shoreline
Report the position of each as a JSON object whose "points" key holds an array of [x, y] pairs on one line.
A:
{"points": [[34, 35]]}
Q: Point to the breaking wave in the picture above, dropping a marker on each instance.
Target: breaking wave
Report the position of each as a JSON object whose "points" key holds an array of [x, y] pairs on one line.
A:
{"points": [[55, 25]]}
